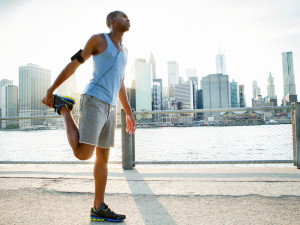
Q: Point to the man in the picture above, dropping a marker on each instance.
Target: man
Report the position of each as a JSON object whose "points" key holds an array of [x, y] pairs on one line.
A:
{"points": [[97, 105]]}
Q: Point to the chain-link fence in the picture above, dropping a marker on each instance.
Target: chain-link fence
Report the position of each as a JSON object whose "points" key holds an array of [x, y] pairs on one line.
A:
{"points": [[249, 135], [42, 140]]}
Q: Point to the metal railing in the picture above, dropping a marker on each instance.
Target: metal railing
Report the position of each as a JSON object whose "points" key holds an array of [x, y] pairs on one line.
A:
{"points": [[168, 137], [288, 151]]}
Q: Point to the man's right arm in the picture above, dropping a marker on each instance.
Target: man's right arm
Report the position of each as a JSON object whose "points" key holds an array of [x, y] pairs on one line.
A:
{"points": [[69, 70]]}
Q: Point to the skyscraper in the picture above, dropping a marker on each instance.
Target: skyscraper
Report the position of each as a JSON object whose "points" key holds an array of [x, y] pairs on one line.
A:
{"points": [[242, 96], [289, 86], [196, 81], [157, 98], [184, 95], [221, 63], [2, 84], [271, 87], [216, 91], [153, 66], [173, 76], [256, 93], [157, 94], [271, 91], [234, 94], [34, 81], [141, 73], [199, 104], [192, 76], [132, 98], [255, 89], [9, 104]]}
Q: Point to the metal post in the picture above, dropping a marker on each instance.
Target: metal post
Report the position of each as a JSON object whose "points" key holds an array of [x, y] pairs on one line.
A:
{"points": [[133, 149], [297, 126], [294, 133], [133, 145], [126, 144]]}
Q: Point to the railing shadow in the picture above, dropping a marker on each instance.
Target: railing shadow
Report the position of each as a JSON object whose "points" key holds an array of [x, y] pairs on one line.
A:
{"points": [[149, 212]]}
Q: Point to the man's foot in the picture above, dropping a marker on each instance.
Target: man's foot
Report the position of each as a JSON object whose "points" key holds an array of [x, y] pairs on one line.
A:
{"points": [[105, 214], [60, 101]]}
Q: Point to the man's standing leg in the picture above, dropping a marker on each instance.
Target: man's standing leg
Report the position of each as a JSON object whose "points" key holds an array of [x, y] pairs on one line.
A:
{"points": [[100, 175], [101, 211]]}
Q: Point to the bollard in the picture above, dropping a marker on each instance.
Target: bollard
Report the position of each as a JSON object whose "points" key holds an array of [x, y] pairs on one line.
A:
{"points": [[297, 133], [127, 154]]}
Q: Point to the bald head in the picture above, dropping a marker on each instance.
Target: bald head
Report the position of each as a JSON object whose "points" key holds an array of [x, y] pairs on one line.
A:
{"points": [[111, 16]]}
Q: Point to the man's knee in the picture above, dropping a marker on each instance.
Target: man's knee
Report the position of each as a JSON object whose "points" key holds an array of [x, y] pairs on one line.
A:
{"points": [[81, 155], [84, 152], [102, 155]]}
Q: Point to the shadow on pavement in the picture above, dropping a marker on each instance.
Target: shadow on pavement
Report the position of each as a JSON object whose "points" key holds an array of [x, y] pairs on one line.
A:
{"points": [[151, 209]]}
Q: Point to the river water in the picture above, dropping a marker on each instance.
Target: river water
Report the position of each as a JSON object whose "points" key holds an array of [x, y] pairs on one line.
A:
{"points": [[265, 142]]}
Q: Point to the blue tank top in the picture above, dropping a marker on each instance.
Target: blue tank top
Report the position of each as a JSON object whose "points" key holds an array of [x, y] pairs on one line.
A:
{"points": [[109, 68]]}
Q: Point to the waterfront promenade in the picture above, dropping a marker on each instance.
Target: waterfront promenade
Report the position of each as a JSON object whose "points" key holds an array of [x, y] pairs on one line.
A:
{"points": [[56, 194]]}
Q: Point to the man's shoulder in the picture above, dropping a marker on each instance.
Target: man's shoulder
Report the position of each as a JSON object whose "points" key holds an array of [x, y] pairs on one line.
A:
{"points": [[98, 37], [97, 43]]}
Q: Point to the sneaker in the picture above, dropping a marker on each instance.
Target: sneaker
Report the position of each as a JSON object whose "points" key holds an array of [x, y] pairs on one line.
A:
{"points": [[60, 101], [105, 214]]}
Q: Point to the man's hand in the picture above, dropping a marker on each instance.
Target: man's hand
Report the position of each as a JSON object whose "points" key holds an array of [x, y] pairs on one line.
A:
{"points": [[48, 100], [131, 125]]}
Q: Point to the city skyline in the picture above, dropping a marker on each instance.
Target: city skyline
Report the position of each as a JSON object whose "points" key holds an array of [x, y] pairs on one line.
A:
{"points": [[141, 85], [253, 35]]}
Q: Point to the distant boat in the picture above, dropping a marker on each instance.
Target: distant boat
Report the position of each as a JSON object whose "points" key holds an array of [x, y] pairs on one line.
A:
{"points": [[272, 122]]}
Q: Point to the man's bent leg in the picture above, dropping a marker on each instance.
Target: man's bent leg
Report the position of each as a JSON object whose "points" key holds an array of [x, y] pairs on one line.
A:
{"points": [[100, 175], [81, 151]]}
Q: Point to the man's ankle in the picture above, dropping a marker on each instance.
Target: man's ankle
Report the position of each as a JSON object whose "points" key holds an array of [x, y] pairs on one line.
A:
{"points": [[98, 205], [64, 110]]}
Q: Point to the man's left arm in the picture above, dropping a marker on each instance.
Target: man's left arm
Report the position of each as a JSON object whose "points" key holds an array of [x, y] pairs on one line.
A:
{"points": [[130, 121]]}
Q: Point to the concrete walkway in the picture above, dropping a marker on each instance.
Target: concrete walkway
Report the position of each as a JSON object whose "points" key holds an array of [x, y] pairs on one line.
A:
{"points": [[53, 194]]}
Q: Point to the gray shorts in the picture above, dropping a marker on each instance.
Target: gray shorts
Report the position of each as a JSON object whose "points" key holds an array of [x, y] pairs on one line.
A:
{"points": [[97, 122]]}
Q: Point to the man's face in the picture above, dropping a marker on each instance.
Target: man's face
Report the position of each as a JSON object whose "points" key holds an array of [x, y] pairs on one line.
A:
{"points": [[122, 21]]}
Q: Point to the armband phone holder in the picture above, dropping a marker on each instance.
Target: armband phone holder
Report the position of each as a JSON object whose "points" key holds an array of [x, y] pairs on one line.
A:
{"points": [[78, 57]]}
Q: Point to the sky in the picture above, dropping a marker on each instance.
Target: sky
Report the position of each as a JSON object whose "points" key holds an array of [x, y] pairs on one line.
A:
{"points": [[252, 35]]}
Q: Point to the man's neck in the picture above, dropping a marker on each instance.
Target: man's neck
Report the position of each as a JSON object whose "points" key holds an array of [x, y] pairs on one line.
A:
{"points": [[116, 36]]}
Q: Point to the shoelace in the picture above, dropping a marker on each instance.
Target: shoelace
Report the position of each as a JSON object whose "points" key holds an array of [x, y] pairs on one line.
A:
{"points": [[108, 209]]}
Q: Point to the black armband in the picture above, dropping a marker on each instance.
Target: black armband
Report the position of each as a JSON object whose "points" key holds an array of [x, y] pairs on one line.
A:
{"points": [[78, 57]]}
